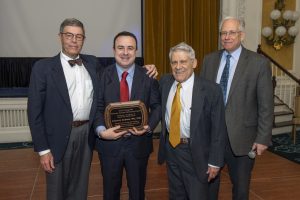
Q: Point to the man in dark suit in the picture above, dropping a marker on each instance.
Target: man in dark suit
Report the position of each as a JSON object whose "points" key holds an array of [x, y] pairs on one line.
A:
{"points": [[245, 78], [193, 127], [61, 108], [129, 149]]}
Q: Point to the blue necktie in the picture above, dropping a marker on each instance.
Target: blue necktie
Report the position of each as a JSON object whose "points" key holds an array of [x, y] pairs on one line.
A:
{"points": [[224, 77]]}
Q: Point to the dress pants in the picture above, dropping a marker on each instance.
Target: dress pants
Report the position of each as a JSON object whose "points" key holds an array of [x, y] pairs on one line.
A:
{"points": [[112, 172], [239, 168], [69, 181], [183, 181]]}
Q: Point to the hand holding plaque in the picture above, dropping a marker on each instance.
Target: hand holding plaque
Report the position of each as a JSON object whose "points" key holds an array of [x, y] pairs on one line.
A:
{"points": [[126, 114]]}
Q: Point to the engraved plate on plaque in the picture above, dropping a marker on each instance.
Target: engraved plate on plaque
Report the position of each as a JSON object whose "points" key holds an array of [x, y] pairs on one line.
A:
{"points": [[126, 114]]}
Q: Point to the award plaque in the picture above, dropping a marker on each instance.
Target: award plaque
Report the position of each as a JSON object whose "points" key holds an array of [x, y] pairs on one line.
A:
{"points": [[126, 114]]}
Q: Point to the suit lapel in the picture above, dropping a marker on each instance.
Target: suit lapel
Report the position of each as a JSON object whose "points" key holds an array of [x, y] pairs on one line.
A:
{"points": [[60, 80], [113, 83], [215, 66], [240, 69], [165, 90], [197, 104], [136, 83]]}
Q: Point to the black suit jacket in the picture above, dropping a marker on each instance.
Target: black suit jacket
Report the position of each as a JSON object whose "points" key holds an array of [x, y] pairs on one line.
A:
{"points": [[49, 108], [144, 89], [207, 125]]}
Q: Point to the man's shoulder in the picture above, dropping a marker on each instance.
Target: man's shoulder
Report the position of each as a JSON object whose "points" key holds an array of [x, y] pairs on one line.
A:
{"points": [[253, 54], [213, 54], [89, 58], [205, 82], [142, 71], [44, 63], [165, 78]]}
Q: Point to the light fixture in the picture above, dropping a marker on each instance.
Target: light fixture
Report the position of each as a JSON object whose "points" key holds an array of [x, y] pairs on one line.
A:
{"points": [[283, 31]]}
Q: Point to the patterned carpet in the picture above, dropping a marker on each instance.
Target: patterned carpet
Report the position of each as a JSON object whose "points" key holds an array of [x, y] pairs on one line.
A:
{"points": [[283, 146]]}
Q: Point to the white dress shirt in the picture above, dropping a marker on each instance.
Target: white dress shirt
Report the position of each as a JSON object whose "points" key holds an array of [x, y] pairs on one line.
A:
{"points": [[186, 94], [80, 88]]}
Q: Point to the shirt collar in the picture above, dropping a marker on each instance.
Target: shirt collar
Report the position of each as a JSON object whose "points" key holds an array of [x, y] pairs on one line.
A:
{"points": [[188, 82], [130, 70], [65, 57], [235, 54]]}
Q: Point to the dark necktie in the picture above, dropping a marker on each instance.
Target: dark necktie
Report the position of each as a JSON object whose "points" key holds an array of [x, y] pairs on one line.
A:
{"points": [[124, 90], [77, 61], [174, 136], [224, 77]]}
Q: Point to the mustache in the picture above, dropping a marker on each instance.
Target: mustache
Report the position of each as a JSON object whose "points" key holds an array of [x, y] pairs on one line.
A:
{"points": [[177, 71]]}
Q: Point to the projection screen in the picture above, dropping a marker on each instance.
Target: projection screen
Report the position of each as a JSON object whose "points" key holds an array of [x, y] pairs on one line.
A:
{"points": [[29, 28]]}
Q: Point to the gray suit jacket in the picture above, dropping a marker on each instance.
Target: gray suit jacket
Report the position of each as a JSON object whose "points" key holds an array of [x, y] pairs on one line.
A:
{"points": [[250, 105], [207, 126]]}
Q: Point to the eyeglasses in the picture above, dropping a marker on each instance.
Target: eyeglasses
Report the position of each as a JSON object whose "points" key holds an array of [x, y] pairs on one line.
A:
{"points": [[229, 33], [70, 36]]}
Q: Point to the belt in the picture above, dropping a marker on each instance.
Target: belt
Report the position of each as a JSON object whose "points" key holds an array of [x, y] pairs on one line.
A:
{"points": [[79, 123], [184, 140]]}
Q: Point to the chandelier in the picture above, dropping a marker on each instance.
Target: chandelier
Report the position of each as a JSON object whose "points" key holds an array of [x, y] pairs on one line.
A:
{"points": [[283, 31]]}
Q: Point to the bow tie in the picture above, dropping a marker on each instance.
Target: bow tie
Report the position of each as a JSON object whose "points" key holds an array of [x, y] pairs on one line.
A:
{"points": [[77, 61]]}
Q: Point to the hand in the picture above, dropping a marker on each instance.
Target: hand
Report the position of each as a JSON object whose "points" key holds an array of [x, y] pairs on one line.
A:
{"points": [[151, 71], [47, 162], [134, 131], [212, 172], [260, 148], [111, 133]]}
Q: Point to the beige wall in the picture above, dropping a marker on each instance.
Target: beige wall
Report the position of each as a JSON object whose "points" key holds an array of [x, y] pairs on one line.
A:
{"points": [[251, 11]]}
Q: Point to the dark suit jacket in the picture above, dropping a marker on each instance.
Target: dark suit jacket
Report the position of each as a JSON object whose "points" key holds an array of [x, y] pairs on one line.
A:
{"points": [[49, 108], [207, 126], [144, 89], [250, 104]]}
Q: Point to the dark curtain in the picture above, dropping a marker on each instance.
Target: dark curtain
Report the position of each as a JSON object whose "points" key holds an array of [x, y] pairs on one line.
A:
{"points": [[15, 73]]}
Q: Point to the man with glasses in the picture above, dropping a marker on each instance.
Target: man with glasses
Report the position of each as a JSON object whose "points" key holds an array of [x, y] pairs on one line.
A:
{"points": [[245, 79], [62, 102]]}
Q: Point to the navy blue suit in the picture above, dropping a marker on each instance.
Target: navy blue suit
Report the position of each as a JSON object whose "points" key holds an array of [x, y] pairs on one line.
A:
{"points": [[49, 109], [131, 148]]}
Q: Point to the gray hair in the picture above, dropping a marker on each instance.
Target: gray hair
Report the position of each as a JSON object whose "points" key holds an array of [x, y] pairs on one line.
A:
{"points": [[182, 47], [71, 22], [241, 23]]}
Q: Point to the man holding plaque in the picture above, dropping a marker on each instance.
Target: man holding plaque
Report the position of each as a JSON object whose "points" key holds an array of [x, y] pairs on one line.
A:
{"points": [[192, 141], [122, 145]]}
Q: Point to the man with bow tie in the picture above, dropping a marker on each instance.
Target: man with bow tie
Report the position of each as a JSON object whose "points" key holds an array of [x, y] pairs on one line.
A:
{"points": [[61, 108]]}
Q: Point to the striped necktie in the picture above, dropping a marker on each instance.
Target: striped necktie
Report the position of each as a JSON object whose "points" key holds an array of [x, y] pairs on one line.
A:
{"points": [[224, 77]]}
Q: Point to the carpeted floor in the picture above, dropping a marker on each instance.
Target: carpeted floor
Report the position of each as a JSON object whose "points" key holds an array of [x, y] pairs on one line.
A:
{"points": [[283, 146]]}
